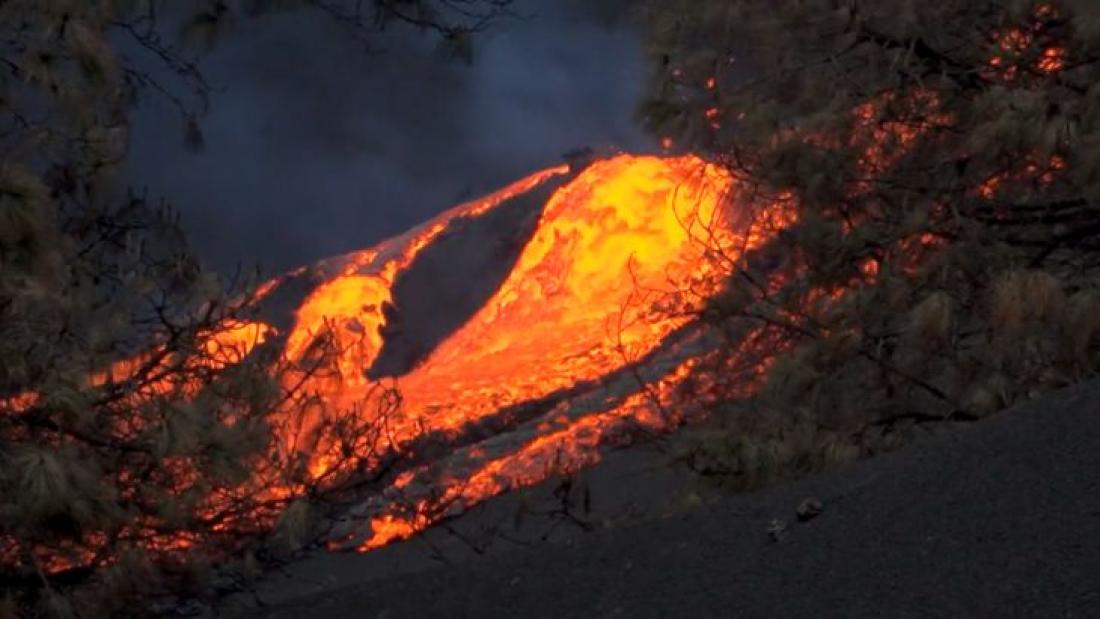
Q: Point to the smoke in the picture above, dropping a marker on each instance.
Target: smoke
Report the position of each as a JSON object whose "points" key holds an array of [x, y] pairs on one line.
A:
{"points": [[314, 146]]}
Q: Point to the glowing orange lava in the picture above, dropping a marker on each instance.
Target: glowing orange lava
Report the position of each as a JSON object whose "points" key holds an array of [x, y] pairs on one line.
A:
{"points": [[625, 234], [623, 230], [575, 307], [597, 287]]}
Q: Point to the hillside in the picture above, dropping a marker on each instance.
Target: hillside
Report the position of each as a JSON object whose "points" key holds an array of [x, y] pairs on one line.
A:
{"points": [[999, 519]]}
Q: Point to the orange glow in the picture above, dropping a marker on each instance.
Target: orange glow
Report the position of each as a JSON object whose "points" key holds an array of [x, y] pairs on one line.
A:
{"points": [[711, 114], [221, 349], [1028, 170], [619, 240], [572, 303], [577, 302], [390, 528], [343, 313], [1052, 60], [589, 293], [562, 445], [617, 268], [884, 143], [1013, 45], [351, 306], [598, 286]]}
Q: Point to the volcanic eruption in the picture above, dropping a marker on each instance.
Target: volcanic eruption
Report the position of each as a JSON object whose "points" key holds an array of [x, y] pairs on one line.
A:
{"points": [[563, 357], [563, 310]]}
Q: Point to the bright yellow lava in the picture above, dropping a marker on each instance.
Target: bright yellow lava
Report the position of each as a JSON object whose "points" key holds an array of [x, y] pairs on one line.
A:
{"points": [[607, 243]]}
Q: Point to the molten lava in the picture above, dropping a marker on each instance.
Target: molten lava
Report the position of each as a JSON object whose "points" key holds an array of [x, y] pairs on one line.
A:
{"points": [[608, 243], [587, 335], [582, 344], [578, 346], [621, 233], [590, 295]]}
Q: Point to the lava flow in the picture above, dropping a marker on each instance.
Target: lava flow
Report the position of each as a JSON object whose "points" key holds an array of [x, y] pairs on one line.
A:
{"points": [[578, 345], [584, 339], [541, 366]]}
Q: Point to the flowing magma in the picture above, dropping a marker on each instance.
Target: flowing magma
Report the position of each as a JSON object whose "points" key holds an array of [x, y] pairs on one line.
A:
{"points": [[589, 332], [608, 242], [602, 282], [619, 260]]}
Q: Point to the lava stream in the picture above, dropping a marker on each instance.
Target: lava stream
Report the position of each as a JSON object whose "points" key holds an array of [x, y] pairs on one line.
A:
{"points": [[587, 297]]}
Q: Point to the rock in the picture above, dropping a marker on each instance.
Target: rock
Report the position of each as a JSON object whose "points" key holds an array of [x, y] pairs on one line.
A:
{"points": [[777, 530], [809, 509]]}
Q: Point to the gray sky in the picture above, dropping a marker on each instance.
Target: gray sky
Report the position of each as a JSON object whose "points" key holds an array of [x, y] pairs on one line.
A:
{"points": [[314, 148]]}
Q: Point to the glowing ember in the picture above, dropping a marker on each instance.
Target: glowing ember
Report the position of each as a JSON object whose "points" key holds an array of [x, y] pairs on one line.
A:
{"points": [[1014, 45]]}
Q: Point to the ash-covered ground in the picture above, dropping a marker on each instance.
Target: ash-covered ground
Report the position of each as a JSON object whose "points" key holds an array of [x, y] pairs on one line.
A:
{"points": [[999, 519]]}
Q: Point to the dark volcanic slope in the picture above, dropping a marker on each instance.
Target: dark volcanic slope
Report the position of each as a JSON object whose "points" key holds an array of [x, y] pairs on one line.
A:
{"points": [[452, 278], [1001, 519]]}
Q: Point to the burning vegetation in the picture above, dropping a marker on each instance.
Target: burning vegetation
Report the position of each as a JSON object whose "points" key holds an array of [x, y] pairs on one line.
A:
{"points": [[890, 229]]}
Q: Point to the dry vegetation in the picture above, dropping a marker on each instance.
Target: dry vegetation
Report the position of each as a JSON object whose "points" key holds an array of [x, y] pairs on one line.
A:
{"points": [[941, 158], [138, 404]]}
